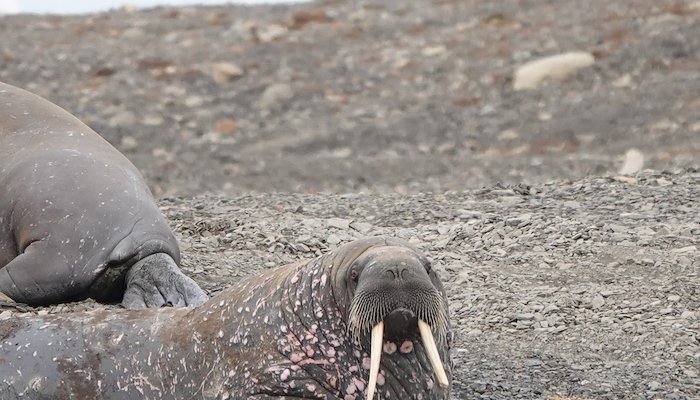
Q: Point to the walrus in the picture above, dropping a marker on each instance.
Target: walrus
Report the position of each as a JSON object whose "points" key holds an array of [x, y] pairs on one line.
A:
{"points": [[366, 320], [77, 219]]}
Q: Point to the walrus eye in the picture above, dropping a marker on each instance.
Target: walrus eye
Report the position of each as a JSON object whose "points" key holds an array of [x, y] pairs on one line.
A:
{"points": [[428, 267], [354, 275]]}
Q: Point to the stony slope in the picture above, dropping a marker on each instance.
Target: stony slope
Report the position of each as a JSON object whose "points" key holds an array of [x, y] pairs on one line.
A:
{"points": [[589, 288], [402, 95]]}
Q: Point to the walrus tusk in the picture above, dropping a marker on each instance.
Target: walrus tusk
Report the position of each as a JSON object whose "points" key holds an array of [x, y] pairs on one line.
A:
{"points": [[429, 342], [375, 357]]}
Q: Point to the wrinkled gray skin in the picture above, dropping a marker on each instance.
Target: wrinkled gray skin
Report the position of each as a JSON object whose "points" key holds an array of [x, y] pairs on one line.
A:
{"points": [[280, 334], [76, 215]]}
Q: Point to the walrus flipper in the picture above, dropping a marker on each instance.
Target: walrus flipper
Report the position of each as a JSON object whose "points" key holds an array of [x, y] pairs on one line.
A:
{"points": [[156, 281]]}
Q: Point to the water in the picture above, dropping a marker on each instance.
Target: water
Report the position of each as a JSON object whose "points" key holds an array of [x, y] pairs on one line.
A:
{"points": [[85, 6]]}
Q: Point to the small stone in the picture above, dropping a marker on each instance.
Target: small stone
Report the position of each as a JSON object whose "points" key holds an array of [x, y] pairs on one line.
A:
{"points": [[270, 32], [690, 373], [223, 72], [687, 314], [549, 308], [338, 223], [634, 162], [558, 67], [275, 94], [674, 298], [533, 362], [122, 118], [525, 317], [686, 249], [597, 302], [433, 51], [361, 227], [623, 82], [225, 125], [152, 120], [129, 143], [654, 385], [665, 311], [332, 239], [194, 101]]}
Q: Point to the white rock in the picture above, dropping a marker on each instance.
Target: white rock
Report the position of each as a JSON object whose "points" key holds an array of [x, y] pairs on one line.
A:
{"points": [[271, 32], [274, 94], [634, 162], [223, 72], [339, 223], [558, 67]]}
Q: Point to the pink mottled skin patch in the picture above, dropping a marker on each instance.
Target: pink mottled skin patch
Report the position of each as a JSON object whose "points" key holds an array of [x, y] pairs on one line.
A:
{"points": [[366, 363], [351, 389], [309, 351], [285, 375], [380, 378], [359, 383], [312, 361], [406, 347], [390, 347], [296, 357]]}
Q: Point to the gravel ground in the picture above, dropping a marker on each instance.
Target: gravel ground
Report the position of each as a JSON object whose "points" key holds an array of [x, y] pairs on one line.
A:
{"points": [[586, 289], [564, 280], [393, 96]]}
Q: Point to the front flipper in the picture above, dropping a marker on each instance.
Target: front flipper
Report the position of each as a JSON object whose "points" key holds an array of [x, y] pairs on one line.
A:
{"points": [[156, 281]]}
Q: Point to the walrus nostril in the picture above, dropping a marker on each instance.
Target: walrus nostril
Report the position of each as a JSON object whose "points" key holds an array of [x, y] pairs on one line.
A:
{"points": [[396, 273]]}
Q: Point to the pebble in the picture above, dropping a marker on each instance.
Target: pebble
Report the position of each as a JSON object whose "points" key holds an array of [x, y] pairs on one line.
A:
{"points": [[634, 162], [275, 94], [687, 314], [223, 72], [361, 227], [338, 223], [597, 302], [332, 239], [557, 67]]}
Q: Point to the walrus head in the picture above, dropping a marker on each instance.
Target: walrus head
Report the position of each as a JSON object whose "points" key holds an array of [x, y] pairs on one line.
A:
{"points": [[368, 319], [395, 300]]}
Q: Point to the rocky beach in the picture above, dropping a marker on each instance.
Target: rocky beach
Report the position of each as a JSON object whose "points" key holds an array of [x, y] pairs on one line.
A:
{"points": [[543, 154]]}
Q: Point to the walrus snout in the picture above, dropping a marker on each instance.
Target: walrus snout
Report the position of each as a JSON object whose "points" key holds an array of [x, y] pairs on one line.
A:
{"points": [[395, 298]]}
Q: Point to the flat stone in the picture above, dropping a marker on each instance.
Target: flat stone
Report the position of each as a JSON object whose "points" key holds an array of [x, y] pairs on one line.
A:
{"points": [[556, 67], [339, 223]]}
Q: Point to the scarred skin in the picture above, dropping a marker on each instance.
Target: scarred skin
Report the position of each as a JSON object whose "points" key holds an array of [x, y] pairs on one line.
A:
{"points": [[76, 215], [280, 334]]}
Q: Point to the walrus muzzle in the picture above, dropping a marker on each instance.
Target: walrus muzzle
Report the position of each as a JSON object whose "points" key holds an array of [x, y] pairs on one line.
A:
{"points": [[395, 299]]}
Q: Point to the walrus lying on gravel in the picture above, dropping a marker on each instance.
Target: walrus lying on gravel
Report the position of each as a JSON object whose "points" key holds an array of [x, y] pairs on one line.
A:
{"points": [[298, 331], [77, 219]]}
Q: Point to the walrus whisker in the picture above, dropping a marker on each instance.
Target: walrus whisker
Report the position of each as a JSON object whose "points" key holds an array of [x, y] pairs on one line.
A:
{"points": [[375, 358], [432, 352]]}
